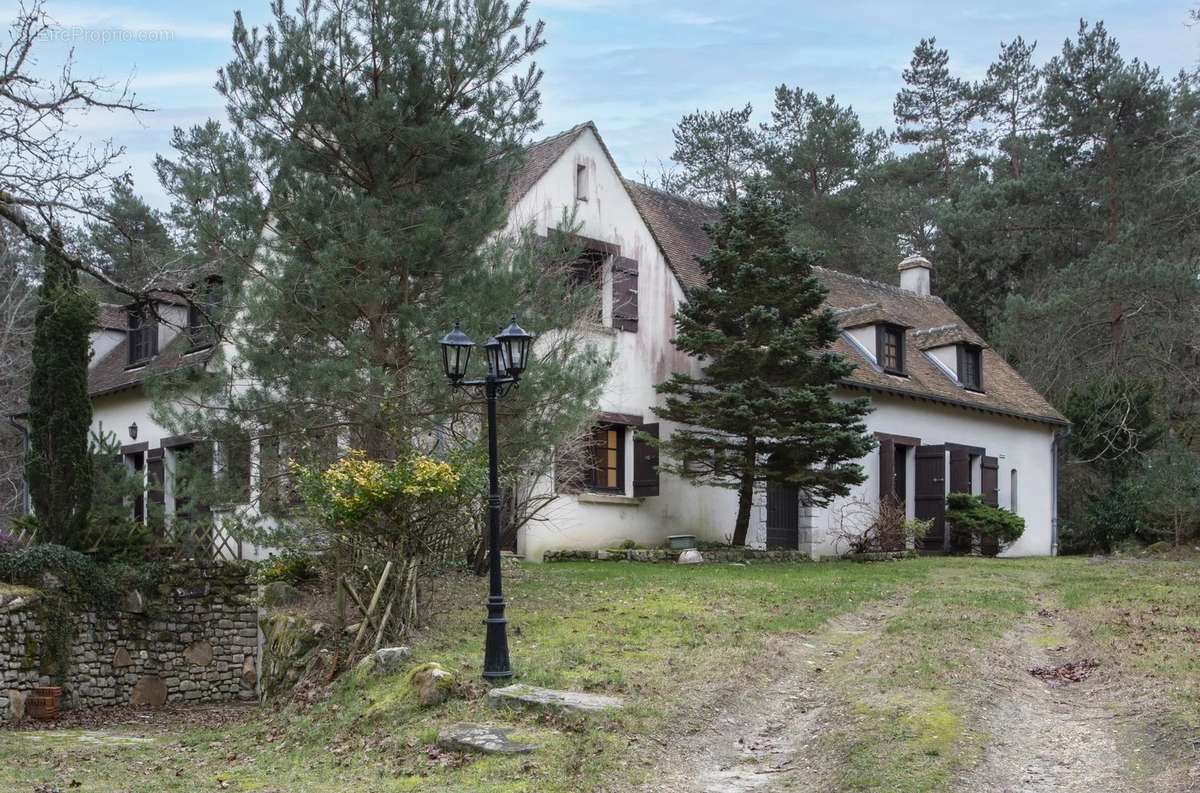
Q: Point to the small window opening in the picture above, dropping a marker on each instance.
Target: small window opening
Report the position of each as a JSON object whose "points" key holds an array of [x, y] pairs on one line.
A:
{"points": [[581, 185]]}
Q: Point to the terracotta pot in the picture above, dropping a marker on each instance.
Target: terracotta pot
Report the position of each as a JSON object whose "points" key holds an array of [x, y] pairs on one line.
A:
{"points": [[42, 704]]}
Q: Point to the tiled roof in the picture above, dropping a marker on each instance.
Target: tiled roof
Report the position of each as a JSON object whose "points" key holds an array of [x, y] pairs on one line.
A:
{"points": [[947, 334], [112, 317], [678, 224], [1005, 391], [538, 159], [870, 314], [112, 372]]}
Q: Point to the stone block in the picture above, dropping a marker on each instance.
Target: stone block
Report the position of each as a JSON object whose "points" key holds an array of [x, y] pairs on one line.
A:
{"points": [[546, 699], [482, 738]]}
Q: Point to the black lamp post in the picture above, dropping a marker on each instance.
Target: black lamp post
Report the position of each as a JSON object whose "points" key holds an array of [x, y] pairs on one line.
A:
{"points": [[507, 355]]}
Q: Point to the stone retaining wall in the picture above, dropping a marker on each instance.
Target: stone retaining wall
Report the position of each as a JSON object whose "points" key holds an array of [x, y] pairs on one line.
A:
{"points": [[193, 639], [720, 555]]}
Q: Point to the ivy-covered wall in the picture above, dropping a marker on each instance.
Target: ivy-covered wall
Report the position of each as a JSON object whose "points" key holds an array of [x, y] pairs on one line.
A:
{"points": [[191, 638]]}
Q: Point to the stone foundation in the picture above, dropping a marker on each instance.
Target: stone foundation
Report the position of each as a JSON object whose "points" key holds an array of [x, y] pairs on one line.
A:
{"points": [[194, 639]]}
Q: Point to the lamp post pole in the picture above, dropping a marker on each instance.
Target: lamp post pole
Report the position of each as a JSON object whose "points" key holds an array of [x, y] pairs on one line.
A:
{"points": [[507, 355], [495, 657]]}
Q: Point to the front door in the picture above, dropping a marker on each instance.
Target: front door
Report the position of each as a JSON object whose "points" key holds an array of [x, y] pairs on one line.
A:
{"points": [[783, 516], [930, 495]]}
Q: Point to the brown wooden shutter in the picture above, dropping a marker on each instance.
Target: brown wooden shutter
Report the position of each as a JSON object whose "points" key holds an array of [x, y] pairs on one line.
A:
{"points": [[960, 471], [625, 294], [930, 490], [887, 469], [645, 461], [989, 480]]}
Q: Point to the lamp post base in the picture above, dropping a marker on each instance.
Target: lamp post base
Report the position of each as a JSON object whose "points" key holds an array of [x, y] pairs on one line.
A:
{"points": [[496, 665]]}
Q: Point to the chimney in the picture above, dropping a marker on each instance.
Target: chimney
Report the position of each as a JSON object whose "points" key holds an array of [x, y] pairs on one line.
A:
{"points": [[914, 274]]}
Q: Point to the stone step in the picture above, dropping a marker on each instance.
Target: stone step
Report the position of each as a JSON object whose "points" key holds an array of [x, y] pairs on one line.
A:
{"points": [[520, 695], [483, 738]]}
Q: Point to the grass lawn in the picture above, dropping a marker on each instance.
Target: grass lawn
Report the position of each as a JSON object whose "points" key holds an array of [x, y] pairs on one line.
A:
{"points": [[673, 641]]}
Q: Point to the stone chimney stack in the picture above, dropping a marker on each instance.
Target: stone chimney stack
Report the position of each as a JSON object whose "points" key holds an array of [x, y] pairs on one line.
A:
{"points": [[914, 274]]}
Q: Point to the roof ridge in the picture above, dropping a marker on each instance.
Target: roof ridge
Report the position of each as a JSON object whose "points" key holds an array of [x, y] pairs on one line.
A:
{"points": [[893, 288], [551, 138], [939, 328]]}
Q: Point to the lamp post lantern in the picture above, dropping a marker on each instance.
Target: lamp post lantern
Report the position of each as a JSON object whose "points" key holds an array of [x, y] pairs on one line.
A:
{"points": [[507, 355]]}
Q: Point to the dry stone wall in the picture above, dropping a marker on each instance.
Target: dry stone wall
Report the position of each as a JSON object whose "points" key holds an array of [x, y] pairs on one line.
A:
{"points": [[193, 639]]}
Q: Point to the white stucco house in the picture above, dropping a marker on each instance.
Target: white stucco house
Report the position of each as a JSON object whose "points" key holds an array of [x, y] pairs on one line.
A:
{"points": [[949, 413]]}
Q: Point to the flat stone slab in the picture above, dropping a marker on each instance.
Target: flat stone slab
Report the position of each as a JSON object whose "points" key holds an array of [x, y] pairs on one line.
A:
{"points": [[484, 738], [533, 698]]}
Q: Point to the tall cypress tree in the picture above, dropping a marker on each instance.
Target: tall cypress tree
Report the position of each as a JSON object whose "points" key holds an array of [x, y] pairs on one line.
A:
{"points": [[59, 466], [763, 407]]}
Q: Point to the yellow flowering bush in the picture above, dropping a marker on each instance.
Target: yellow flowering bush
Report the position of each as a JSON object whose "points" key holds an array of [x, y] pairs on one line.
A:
{"points": [[361, 495]]}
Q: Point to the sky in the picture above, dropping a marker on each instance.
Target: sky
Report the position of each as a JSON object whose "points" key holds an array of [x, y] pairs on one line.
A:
{"points": [[634, 68]]}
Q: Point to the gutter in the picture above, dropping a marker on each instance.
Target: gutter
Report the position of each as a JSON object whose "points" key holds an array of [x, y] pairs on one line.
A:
{"points": [[26, 507]]}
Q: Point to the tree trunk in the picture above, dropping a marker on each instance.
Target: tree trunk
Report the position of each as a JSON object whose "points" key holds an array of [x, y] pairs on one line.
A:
{"points": [[745, 496]]}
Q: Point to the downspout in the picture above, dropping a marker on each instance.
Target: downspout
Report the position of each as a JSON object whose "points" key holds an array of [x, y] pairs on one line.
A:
{"points": [[26, 507], [1059, 436]]}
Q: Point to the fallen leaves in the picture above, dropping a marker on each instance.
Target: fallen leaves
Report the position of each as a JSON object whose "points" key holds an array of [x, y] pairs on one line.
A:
{"points": [[1074, 672]]}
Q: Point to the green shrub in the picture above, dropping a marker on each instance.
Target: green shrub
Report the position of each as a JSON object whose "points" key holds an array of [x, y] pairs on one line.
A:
{"points": [[289, 567], [82, 580], [971, 517]]}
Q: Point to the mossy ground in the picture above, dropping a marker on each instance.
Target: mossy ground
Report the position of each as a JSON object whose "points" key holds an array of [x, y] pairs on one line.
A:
{"points": [[667, 638]]}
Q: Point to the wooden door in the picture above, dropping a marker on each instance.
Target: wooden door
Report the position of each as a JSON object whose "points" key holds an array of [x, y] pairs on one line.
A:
{"points": [[783, 516], [989, 484], [930, 495]]}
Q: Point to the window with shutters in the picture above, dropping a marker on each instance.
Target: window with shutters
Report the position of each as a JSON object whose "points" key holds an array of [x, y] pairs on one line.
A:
{"points": [[587, 272], [607, 470], [970, 367], [889, 352], [142, 336]]}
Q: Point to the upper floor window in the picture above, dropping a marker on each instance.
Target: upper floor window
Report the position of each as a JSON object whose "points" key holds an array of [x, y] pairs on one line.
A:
{"points": [[143, 336], [889, 348], [202, 314], [970, 367], [581, 183]]}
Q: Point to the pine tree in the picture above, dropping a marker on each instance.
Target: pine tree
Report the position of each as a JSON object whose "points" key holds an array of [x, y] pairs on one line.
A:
{"points": [[59, 468], [934, 110], [1011, 99], [818, 158], [763, 408], [132, 244], [716, 152]]}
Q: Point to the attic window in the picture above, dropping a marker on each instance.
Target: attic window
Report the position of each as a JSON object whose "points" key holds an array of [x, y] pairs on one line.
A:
{"points": [[143, 337], [581, 185], [970, 367], [889, 348]]}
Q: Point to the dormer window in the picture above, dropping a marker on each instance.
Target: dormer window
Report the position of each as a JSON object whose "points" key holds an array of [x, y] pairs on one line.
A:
{"points": [[889, 348], [143, 336], [970, 367]]}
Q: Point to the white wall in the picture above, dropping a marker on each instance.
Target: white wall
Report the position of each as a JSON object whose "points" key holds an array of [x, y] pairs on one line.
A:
{"points": [[1017, 444], [648, 357], [641, 360]]}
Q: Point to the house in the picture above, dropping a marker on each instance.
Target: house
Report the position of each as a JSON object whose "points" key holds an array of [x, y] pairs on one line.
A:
{"points": [[132, 345], [949, 413]]}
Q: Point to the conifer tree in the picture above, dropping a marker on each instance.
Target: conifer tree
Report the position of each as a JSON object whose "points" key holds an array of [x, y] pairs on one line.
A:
{"points": [[934, 109], [763, 408], [59, 468]]}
